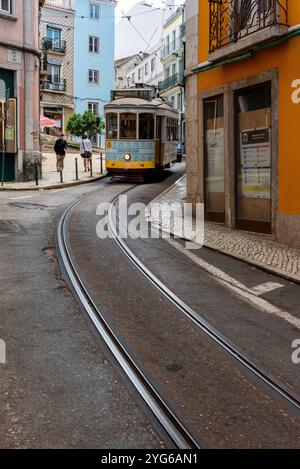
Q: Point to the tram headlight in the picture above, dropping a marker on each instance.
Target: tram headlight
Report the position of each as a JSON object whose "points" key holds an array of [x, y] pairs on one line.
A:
{"points": [[127, 157]]}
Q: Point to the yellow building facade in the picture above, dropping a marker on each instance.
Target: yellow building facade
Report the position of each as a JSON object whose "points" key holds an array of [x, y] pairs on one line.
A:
{"points": [[244, 71]]}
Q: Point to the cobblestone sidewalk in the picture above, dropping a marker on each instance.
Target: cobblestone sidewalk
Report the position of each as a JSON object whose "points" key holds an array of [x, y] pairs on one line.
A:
{"points": [[51, 178], [259, 250]]}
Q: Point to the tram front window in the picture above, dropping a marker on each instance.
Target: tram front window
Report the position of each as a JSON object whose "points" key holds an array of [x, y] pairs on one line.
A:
{"points": [[146, 126], [112, 126], [128, 126]]}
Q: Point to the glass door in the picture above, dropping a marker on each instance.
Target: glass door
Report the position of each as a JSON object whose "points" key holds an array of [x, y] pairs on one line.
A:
{"points": [[214, 159], [253, 173]]}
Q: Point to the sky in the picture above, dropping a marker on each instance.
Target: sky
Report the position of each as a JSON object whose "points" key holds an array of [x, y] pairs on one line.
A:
{"points": [[125, 5]]}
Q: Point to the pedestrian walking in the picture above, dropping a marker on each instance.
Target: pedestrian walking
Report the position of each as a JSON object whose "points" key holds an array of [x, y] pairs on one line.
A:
{"points": [[86, 151], [60, 149]]}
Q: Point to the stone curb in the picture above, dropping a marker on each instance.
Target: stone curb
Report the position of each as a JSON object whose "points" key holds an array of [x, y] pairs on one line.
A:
{"points": [[54, 186], [266, 268]]}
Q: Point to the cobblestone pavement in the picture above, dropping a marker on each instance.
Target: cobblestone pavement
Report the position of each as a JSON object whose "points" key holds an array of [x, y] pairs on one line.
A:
{"points": [[256, 249], [52, 178]]}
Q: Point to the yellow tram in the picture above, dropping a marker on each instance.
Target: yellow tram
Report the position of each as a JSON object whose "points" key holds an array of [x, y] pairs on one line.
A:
{"points": [[141, 132]]}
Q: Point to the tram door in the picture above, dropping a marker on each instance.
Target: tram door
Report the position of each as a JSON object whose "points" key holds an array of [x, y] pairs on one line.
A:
{"points": [[253, 158]]}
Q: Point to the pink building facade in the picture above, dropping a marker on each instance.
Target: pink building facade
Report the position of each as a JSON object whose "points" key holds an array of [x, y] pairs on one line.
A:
{"points": [[20, 73]]}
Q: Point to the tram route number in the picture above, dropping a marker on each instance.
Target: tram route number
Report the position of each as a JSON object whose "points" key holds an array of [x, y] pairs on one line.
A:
{"points": [[151, 458]]}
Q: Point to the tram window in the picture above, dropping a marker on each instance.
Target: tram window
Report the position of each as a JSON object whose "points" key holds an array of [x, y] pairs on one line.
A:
{"points": [[172, 129], [128, 126], [146, 126], [112, 126]]}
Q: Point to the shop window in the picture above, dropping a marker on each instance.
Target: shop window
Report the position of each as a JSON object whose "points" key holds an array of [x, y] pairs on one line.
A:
{"points": [[214, 151]]}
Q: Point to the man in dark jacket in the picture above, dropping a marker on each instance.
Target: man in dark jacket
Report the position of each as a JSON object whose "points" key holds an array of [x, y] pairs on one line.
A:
{"points": [[60, 149]]}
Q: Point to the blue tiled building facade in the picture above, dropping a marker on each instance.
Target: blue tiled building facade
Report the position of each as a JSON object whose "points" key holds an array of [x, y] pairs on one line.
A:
{"points": [[94, 55]]}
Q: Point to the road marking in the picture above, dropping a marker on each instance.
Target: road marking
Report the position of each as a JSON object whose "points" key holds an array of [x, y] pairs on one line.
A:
{"points": [[241, 290], [266, 288], [20, 198]]}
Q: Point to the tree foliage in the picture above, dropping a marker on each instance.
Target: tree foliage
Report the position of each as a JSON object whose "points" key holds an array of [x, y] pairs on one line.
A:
{"points": [[87, 123]]}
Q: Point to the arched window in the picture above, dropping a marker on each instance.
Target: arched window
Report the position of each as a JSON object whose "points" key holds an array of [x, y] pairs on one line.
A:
{"points": [[146, 126], [112, 126], [128, 126]]}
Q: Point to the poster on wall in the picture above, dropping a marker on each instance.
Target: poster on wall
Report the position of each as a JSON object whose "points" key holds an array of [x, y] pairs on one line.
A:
{"points": [[215, 159], [256, 163]]}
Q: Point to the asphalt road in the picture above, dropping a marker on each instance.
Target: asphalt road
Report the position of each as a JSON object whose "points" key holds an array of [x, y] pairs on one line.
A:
{"points": [[58, 388]]}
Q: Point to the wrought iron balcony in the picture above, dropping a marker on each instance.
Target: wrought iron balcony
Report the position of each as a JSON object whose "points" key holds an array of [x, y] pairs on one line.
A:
{"points": [[172, 48], [58, 86], [54, 45], [173, 80], [233, 20]]}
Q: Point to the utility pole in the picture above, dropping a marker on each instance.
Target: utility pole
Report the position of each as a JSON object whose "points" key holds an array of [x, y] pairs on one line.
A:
{"points": [[6, 108]]}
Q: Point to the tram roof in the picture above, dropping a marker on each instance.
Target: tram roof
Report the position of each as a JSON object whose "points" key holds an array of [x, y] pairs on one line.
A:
{"points": [[156, 103]]}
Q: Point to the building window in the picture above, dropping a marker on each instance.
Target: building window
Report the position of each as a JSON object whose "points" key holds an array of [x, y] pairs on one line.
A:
{"points": [[153, 64], [94, 108], [54, 73], [94, 77], [172, 101], [133, 78], [140, 73], [6, 5], [94, 11], [94, 44], [146, 68]]}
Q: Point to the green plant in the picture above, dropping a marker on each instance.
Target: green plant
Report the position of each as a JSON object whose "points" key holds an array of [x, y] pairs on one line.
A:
{"points": [[87, 123]]}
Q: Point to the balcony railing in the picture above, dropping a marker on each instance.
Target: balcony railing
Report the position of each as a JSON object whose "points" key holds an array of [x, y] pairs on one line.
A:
{"points": [[173, 80], [58, 86], [172, 47], [233, 20], [55, 45]]}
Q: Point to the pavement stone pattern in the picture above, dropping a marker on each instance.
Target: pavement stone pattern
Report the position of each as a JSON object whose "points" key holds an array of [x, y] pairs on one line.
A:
{"points": [[52, 178], [256, 249]]}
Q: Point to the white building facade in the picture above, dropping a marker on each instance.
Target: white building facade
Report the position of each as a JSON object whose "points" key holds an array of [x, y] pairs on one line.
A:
{"points": [[172, 56]]}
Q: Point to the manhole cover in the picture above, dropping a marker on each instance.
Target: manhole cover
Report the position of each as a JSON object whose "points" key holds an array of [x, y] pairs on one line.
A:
{"points": [[28, 206], [10, 226]]}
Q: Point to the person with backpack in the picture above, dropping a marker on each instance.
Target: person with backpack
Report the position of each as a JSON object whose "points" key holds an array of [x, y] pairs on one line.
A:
{"points": [[86, 151], [60, 149]]}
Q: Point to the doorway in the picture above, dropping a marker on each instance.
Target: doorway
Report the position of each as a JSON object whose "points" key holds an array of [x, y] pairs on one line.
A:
{"points": [[253, 110]]}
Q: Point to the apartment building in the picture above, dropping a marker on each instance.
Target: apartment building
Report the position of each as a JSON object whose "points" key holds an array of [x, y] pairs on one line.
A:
{"points": [[57, 28], [20, 78], [172, 56]]}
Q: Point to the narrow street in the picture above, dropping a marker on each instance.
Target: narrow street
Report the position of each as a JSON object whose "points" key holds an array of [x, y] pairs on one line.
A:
{"points": [[61, 386]]}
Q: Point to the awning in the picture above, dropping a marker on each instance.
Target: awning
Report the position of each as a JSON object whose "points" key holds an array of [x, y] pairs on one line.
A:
{"points": [[46, 122]]}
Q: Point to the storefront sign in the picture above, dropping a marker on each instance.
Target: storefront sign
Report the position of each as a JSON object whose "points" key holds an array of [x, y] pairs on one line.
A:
{"points": [[256, 163]]}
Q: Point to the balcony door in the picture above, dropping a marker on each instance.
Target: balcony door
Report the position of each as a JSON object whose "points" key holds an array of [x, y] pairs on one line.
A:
{"points": [[253, 158]]}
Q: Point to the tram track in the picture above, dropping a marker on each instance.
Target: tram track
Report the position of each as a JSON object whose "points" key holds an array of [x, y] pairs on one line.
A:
{"points": [[178, 434], [261, 375]]}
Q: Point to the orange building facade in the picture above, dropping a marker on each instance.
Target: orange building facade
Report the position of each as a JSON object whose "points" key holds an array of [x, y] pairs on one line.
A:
{"points": [[244, 70]]}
